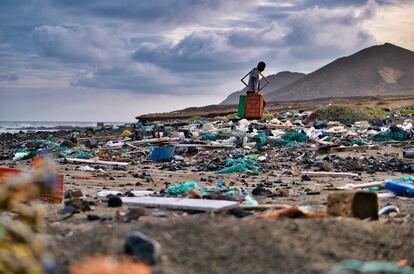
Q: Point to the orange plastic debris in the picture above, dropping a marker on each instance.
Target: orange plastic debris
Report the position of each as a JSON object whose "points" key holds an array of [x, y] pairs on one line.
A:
{"points": [[291, 212], [37, 161], [403, 262], [109, 265]]}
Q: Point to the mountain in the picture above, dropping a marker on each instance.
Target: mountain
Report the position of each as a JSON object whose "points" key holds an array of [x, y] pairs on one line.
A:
{"points": [[277, 81], [378, 70]]}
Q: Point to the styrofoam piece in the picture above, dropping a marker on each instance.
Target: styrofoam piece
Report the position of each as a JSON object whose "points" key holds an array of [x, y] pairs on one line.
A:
{"points": [[181, 203]]}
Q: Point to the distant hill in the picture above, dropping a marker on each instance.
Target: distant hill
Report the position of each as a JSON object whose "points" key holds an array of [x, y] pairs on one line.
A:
{"points": [[277, 81], [379, 70]]}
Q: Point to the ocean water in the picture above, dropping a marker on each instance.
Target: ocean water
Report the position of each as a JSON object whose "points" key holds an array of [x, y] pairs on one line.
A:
{"points": [[16, 126]]}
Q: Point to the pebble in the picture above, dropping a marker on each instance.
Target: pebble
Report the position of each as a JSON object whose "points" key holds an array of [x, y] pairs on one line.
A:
{"points": [[142, 248], [114, 201]]}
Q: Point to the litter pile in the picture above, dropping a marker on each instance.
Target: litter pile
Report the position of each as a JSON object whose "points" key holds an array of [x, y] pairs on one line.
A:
{"points": [[290, 165]]}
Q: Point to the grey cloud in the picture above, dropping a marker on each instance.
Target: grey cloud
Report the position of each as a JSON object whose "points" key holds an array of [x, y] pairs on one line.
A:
{"points": [[9, 77], [307, 35], [200, 51], [73, 43], [140, 78], [300, 37], [322, 33], [162, 11]]}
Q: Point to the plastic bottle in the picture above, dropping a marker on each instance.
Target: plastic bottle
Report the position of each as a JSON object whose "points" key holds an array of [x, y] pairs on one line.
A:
{"points": [[400, 188]]}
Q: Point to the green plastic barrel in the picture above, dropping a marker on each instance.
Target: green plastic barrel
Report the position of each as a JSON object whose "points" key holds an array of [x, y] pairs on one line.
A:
{"points": [[242, 106]]}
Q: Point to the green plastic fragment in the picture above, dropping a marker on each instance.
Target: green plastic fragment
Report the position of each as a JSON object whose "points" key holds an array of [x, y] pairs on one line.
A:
{"points": [[359, 142], [184, 188], [393, 135], [372, 267], [237, 133], [243, 165], [260, 139], [181, 189], [209, 136], [250, 201], [292, 138]]}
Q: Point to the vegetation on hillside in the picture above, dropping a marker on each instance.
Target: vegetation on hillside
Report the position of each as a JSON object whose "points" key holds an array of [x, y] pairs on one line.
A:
{"points": [[347, 114]]}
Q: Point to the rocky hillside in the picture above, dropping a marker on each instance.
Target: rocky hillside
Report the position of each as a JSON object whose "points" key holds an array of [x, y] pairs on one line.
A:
{"points": [[379, 70]]}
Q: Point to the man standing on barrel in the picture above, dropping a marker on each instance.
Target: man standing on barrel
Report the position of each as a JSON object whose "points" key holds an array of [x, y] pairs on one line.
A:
{"points": [[253, 86]]}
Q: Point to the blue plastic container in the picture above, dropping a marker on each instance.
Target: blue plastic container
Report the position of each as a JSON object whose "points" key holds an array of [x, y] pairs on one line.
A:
{"points": [[162, 154], [400, 188]]}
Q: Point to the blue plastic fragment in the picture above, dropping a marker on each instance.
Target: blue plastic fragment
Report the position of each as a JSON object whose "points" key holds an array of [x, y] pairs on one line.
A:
{"points": [[162, 154], [400, 188]]}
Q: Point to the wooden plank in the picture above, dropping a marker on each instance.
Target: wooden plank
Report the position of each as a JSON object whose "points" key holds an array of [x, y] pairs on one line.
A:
{"points": [[137, 193], [119, 146], [363, 185], [329, 174], [101, 138], [203, 146], [92, 161], [264, 207], [214, 130], [330, 149], [156, 140], [274, 126], [181, 203]]}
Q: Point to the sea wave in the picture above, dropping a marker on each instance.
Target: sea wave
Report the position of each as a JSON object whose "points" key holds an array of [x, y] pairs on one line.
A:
{"points": [[16, 126]]}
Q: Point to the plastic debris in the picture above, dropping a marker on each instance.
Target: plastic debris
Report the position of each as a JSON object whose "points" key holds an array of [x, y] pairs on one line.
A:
{"points": [[403, 186], [393, 134], [388, 209], [209, 136], [359, 142], [181, 189], [24, 155], [101, 264], [292, 138], [208, 127], [126, 133], [408, 154], [243, 165], [372, 267], [249, 201], [260, 139], [185, 188], [162, 154], [91, 169]]}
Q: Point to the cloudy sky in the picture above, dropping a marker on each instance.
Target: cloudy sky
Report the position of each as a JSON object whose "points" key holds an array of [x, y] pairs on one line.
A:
{"points": [[84, 60]]}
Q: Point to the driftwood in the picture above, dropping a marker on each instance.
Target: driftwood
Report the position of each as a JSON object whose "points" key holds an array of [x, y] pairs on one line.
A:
{"points": [[156, 140], [203, 145], [330, 149], [91, 161], [329, 174], [264, 207], [363, 185]]}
